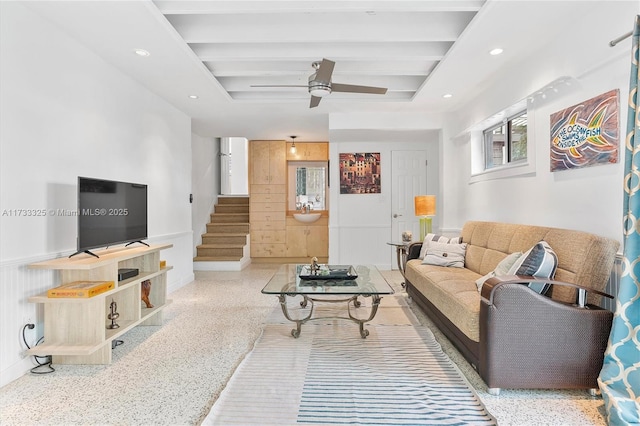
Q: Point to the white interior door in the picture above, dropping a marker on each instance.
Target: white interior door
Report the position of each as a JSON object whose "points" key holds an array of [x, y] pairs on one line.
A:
{"points": [[409, 177]]}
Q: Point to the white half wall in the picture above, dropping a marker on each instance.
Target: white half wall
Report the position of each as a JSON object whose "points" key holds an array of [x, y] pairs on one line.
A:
{"points": [[64, 113], [205, 181]]}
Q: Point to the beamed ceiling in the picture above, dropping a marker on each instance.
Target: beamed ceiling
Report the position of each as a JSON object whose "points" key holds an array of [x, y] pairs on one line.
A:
{"points": [[220, 50]]}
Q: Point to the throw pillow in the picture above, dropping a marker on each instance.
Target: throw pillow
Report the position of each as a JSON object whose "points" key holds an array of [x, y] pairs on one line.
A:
{"points": [[445, 254], [502, 268], [435, 238], [539, 261]]}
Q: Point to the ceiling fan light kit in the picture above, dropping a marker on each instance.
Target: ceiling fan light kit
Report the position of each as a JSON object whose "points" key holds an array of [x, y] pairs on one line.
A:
{"points": [[320, 84], [319, 89]]}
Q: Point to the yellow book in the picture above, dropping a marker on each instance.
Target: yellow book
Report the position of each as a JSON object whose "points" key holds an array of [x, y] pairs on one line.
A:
{"points": [[81, 289]]}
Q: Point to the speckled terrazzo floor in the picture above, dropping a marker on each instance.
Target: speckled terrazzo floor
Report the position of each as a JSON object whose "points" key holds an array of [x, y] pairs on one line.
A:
{"points": [[172, 374]]}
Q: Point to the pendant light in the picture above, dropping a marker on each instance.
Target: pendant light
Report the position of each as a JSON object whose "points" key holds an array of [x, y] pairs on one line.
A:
{"points": [[293, 149]]}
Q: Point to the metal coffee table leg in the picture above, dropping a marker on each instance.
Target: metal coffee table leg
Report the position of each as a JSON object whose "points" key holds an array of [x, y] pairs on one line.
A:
{"points": [[283, 304], [374, 309], [308, 301]]}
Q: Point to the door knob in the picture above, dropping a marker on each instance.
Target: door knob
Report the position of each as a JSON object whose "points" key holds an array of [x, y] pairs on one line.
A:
{"points": [[396, 215]]}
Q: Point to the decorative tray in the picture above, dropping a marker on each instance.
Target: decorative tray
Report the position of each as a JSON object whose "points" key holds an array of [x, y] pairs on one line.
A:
{"points": [[327, 272]]}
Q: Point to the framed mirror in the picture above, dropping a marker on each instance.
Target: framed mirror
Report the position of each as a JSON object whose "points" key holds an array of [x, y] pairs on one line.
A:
{"points": [[308, 185]]}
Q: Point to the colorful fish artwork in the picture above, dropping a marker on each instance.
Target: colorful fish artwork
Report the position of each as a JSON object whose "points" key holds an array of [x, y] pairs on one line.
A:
{"points": [[586, 134]]}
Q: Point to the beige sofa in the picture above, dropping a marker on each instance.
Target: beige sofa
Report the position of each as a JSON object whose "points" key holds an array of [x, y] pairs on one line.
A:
{"points": [[513, 336]]}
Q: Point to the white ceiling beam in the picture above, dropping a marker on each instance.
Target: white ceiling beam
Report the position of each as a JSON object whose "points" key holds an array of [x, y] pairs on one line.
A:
{"points": [[179, 7], [315, 51], [303, 68], [343, 27], [398, 83], [280, 95]]}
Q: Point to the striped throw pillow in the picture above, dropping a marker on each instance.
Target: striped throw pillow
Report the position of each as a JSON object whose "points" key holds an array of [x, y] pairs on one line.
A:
{"points": [[539, 261], [436, 239]]}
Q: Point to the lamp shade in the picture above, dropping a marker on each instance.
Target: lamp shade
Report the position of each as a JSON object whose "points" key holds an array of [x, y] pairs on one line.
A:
{"points": [[425, 205]]}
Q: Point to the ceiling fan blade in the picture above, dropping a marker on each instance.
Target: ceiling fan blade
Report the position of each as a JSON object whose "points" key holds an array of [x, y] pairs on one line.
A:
{"points": [[352, 88], [325, 70], [279, 85], [315, 101]]}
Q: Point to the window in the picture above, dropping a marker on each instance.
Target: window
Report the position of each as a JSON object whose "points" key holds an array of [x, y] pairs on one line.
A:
{"points": [[506, 142]]}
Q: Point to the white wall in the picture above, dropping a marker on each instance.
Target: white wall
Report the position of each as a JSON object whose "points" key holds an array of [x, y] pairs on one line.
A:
{"points": [[64, 112], [205, 184], [360, 225], [239, 166], [588, 199]]}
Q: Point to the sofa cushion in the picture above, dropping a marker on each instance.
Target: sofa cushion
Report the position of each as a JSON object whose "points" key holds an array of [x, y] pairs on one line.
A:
{"points": [[452, 291], [539, 261], [444, 254], [487, 240], [436, 239], [491, 242], [503, 268]]}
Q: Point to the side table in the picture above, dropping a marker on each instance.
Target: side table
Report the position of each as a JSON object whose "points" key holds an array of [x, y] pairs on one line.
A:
{"points": [[401, 256]]}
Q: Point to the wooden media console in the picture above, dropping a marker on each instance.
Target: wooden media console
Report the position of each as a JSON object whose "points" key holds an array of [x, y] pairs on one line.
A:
{"points": [[76, 329]]}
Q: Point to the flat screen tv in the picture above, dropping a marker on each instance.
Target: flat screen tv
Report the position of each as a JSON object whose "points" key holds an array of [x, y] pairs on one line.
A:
{"points": [[110, 213]]}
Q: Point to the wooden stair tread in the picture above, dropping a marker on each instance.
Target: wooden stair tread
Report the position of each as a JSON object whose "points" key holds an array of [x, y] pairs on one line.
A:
{"points": [[216, 258], [221, 246], [228, 223], [225, 234], [229, 213]]}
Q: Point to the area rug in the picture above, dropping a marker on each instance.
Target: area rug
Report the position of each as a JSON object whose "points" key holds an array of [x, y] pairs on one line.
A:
{"points": [[398, 375]]}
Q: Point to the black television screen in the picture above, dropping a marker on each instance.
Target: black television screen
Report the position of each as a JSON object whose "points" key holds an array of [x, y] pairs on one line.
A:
{"points": [[110, 212]]}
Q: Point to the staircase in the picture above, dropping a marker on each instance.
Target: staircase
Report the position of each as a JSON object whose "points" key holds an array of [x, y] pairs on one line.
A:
{"points": [[224, 245]]}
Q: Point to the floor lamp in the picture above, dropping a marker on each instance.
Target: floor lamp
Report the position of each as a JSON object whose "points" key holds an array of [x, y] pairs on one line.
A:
{"points": [[425, 208]]}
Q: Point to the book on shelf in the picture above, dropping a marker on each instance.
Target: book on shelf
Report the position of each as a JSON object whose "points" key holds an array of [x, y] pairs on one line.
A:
{"points": [[81, 289]]}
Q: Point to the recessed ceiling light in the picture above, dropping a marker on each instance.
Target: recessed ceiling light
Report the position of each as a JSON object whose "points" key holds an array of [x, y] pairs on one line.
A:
{"points": [[141, 52], [447, 95], [496, 51], [193, 96]]}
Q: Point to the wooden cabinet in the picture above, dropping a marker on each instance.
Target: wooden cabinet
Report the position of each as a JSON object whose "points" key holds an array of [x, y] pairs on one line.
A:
{"points": [[309, 151], [268, 162], [75, 329], [268, 197], [306, 240], [268, 201], [274, 236]]}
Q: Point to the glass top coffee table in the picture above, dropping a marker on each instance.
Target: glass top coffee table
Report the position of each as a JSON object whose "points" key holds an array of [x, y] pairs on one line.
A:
{"points": [[332, 284]]}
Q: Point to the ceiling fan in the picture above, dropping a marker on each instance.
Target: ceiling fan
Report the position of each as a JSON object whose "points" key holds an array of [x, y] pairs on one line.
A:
{"points": [[320, 84]]}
